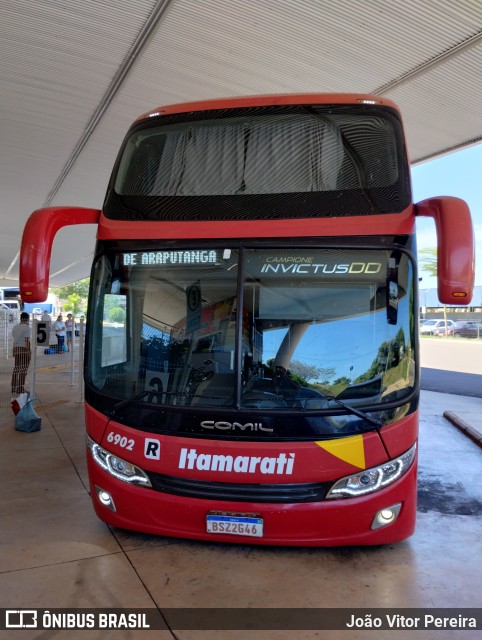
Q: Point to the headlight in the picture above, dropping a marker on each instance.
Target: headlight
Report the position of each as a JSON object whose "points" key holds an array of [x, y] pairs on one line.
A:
{"points": [[372, 479], [117, 467]]}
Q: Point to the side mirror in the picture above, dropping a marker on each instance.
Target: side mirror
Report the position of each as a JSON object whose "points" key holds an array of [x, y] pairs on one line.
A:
{"points": [[37, 240], [455, 247]]}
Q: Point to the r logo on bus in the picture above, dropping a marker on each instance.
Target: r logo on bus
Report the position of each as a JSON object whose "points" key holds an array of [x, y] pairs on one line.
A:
{"points": [[152, 449]]}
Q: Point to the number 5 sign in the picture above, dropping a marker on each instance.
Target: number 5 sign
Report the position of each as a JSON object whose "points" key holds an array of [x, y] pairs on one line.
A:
{"points": [[43, 334]]}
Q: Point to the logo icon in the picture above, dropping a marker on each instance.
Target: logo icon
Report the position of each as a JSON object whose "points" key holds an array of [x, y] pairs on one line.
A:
{"points": [[20, 619]]}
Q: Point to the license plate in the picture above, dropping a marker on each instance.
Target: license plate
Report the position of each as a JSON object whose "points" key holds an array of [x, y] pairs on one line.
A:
{"points": [[235, 524]]}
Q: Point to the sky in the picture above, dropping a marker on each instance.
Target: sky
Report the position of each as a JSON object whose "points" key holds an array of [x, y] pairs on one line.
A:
{"points": [[456, 174]]}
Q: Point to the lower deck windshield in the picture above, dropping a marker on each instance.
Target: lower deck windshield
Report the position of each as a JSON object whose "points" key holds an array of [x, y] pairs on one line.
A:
{"points": [[249, 330]]}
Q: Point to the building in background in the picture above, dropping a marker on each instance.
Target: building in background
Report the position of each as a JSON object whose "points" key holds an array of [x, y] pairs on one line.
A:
{"points": [[430, 307], [51, 305]]}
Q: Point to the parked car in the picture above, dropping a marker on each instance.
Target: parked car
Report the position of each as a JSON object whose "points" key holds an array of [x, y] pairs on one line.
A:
{"points": [[436, 327], [468, 329]]}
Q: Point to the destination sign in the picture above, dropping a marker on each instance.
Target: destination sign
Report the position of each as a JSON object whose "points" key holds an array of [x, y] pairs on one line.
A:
{"points": [[170, 258]]}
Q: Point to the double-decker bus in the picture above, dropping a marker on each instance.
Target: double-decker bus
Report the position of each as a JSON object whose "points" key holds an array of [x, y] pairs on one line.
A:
{"points": [[251, 357]]}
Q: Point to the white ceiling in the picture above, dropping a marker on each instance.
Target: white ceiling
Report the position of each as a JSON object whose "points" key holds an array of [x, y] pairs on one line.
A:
{"points": [[74, 75]]}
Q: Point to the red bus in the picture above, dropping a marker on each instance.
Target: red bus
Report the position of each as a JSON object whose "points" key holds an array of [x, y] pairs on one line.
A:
{"points": [[251, 357]]}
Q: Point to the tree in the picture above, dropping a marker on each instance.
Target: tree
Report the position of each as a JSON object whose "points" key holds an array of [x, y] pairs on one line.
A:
{"points": [[73, 304], [428, 262], [81, 288], [302, 372], [117, 314], [310, 372], [75, 294]]}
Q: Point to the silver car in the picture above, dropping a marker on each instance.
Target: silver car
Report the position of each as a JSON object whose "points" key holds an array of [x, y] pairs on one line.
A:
{"points": [[437, 327]]}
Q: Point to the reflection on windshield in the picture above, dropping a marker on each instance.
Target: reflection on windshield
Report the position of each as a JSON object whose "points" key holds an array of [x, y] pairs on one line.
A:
{"points": [[332, 361], [309, 326]]}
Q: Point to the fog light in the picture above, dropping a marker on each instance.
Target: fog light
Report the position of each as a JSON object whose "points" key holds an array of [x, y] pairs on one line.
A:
{"points": [[386, 516], [105, 498]]}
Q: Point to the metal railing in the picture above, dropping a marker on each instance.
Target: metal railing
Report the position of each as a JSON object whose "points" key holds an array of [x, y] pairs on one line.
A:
{"points": [[48, 364]]}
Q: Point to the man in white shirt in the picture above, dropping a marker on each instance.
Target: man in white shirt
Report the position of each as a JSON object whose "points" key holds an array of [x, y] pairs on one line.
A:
{"points": [[59, 328], [48, 321], [21, 353]]}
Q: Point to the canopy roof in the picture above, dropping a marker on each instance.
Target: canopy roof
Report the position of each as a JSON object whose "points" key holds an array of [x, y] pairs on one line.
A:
{"points": [[74, 76]]}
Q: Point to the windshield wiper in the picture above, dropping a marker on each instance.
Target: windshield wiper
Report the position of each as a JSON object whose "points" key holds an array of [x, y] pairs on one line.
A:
{"points": [[357, 412], [147, 392], [127, 401]]}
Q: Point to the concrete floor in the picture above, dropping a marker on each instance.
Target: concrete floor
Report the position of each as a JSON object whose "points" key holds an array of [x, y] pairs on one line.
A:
{"points": [[55, 553]]}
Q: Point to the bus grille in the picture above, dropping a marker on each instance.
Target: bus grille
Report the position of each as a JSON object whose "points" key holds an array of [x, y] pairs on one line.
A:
{"points": [[273, 493]]}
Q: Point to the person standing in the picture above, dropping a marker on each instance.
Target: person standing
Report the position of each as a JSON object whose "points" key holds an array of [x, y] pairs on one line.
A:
{"points": [[59, 328], [69, 326], [21, 353], [48, 321]]}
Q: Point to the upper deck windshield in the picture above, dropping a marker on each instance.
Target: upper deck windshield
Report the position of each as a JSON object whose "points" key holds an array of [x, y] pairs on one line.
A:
{"points": [[262, 163], [250, 332]]}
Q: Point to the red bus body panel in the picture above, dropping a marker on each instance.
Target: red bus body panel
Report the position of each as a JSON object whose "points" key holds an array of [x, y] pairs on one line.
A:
{"points": [[400, 223], [330, 523], [325, 523]]}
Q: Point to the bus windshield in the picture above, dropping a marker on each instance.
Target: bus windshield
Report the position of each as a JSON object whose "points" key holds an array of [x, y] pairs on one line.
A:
{"points": [[276, 162], [276, 330]]}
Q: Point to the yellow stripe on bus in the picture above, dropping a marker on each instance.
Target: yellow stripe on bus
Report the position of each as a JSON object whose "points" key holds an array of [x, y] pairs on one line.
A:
{"points": [[350, 450]]}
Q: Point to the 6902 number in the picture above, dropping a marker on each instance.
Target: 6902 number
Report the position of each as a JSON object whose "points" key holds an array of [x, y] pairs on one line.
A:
{"points": [[121, 441]]}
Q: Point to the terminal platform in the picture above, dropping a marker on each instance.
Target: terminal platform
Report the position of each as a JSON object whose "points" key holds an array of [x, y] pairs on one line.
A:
{"points": [[55, 553]]}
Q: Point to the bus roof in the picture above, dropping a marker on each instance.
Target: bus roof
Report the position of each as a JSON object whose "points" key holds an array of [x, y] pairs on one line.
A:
{"points": [[268, 100]]}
